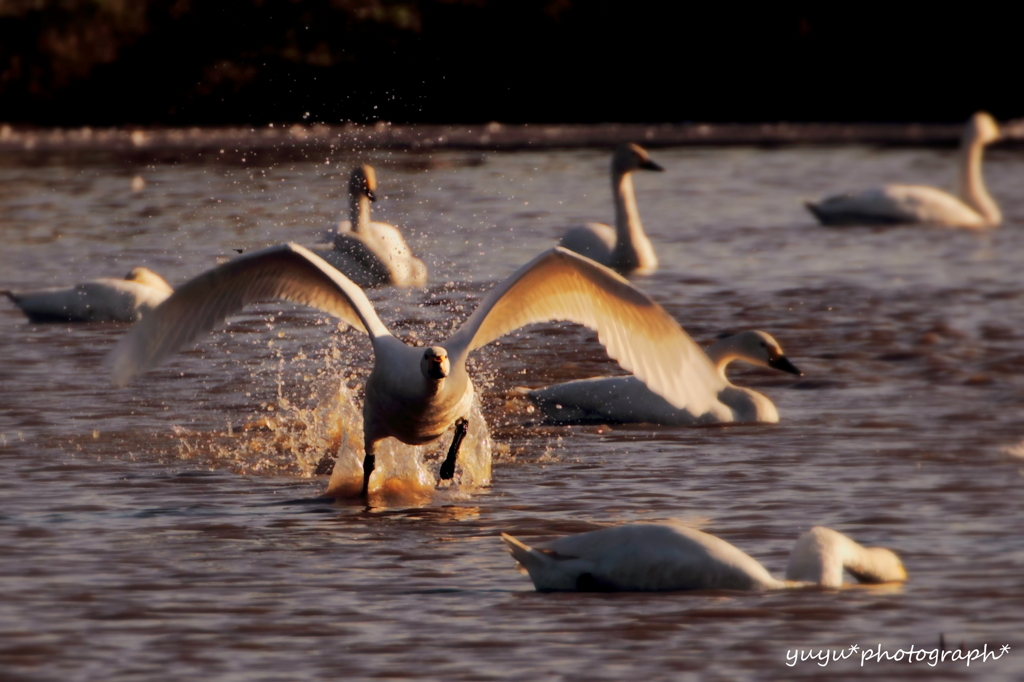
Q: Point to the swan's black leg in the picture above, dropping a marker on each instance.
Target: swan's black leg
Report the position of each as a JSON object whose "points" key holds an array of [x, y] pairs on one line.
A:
{"points": [[448, 466], [368, 463]]}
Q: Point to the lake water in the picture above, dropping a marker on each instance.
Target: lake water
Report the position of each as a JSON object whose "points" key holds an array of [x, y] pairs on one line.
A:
{"points": [[147, 533]]}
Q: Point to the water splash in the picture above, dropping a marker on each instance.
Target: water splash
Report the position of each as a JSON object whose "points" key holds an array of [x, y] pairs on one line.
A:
{"points": [[408, 473], [289, 440]]}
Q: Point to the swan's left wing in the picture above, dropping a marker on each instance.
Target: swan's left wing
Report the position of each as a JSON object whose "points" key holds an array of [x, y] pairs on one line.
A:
{"points": [[634, 329]]}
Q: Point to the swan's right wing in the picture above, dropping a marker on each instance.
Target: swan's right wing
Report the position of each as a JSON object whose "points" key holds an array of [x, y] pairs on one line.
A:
{"points": [[634, 329], [287, 272]]}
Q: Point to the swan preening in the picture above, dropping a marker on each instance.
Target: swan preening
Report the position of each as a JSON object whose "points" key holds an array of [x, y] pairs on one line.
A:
{"points": [[670, 556], [367, 252], [625, 399], [973, 207], [99, 300], [626, 248], [416, 394]]}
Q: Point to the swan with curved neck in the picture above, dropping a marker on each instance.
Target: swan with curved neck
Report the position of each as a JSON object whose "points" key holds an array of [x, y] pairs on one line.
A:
{"points": [[626, 400], [367, 252], [973, 207], [414, 394], [625, 249], [99, 300], [670, 556]]}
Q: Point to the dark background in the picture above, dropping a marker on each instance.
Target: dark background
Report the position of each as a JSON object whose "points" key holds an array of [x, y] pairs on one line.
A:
{"points": [[184, 62]]}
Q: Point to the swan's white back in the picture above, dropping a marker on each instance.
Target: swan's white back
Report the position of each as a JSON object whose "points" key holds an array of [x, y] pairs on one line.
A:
{"points": [[641, 557]]}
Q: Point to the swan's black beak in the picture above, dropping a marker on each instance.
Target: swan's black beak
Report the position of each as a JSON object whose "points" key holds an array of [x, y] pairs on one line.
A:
{"points": [[435, 364], [370, 195], [435, 368], [782, 363], [647, 164]]}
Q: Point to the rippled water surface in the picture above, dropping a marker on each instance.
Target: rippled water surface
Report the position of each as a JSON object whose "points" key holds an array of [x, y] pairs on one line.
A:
{"points": [[170, 530]]}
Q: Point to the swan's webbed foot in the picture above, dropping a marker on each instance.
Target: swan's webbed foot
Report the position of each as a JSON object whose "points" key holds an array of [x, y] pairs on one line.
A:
{"points": [[448, 466], [369, 462], [325, 466]]}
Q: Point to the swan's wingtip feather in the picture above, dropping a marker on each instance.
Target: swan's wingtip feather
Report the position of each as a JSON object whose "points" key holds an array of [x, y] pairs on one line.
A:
{"points": [[514, 546]]}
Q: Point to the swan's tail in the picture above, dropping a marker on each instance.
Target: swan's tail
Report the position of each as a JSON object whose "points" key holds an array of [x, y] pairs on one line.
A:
{"points": [[813, 208], [524, 554]]}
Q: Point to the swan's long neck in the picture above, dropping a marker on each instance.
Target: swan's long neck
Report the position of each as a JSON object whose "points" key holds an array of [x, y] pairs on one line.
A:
{"points": [[971, 183], [724, 351], [359, 212], [820, 555], [633, 250]]}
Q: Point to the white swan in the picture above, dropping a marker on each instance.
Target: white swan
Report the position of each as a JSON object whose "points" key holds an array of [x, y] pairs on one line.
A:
{"points": [[625, 399], [898, 204], [367, 252], [416, 394], [625, 249], [670, 556], [99, 300]]}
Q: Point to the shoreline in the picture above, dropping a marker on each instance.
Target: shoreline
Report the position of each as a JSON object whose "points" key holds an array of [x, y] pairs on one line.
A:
{"points": [[487, 137]]}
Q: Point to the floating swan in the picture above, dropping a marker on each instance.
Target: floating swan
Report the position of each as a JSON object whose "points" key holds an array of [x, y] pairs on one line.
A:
{"points": [[651, 557], [627, 400], [897, 204], [625, 249], [370, 253], [100, 300], [416, 394]]}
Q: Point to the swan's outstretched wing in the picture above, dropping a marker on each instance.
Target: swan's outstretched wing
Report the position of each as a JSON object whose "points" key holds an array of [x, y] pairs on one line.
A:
{"points": [[288, 272], [636, 331]]}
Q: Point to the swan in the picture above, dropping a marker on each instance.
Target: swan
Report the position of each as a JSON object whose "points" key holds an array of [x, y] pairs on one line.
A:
{"points": [[625, 249], [898, 204], [100, 300], [416, 394], [626, 400], [670, 556], [370, 253]]}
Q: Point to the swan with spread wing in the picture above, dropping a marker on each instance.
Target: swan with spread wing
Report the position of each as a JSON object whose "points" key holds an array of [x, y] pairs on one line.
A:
{"points": [[416, 394]]}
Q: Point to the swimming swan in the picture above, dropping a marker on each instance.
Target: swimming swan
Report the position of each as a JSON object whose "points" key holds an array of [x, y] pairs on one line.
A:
{"points": [[370, 253], [625, 249], [99, 300], [896, 204], [670, 556], [627, 400], [416, 394]]}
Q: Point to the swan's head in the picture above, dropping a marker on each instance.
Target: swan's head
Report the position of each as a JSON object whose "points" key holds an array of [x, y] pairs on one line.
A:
{"points": [[435, 364], [982, 127], [759, 348], [879, 565], [363, 182], [147, 277], [631, 157]]}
